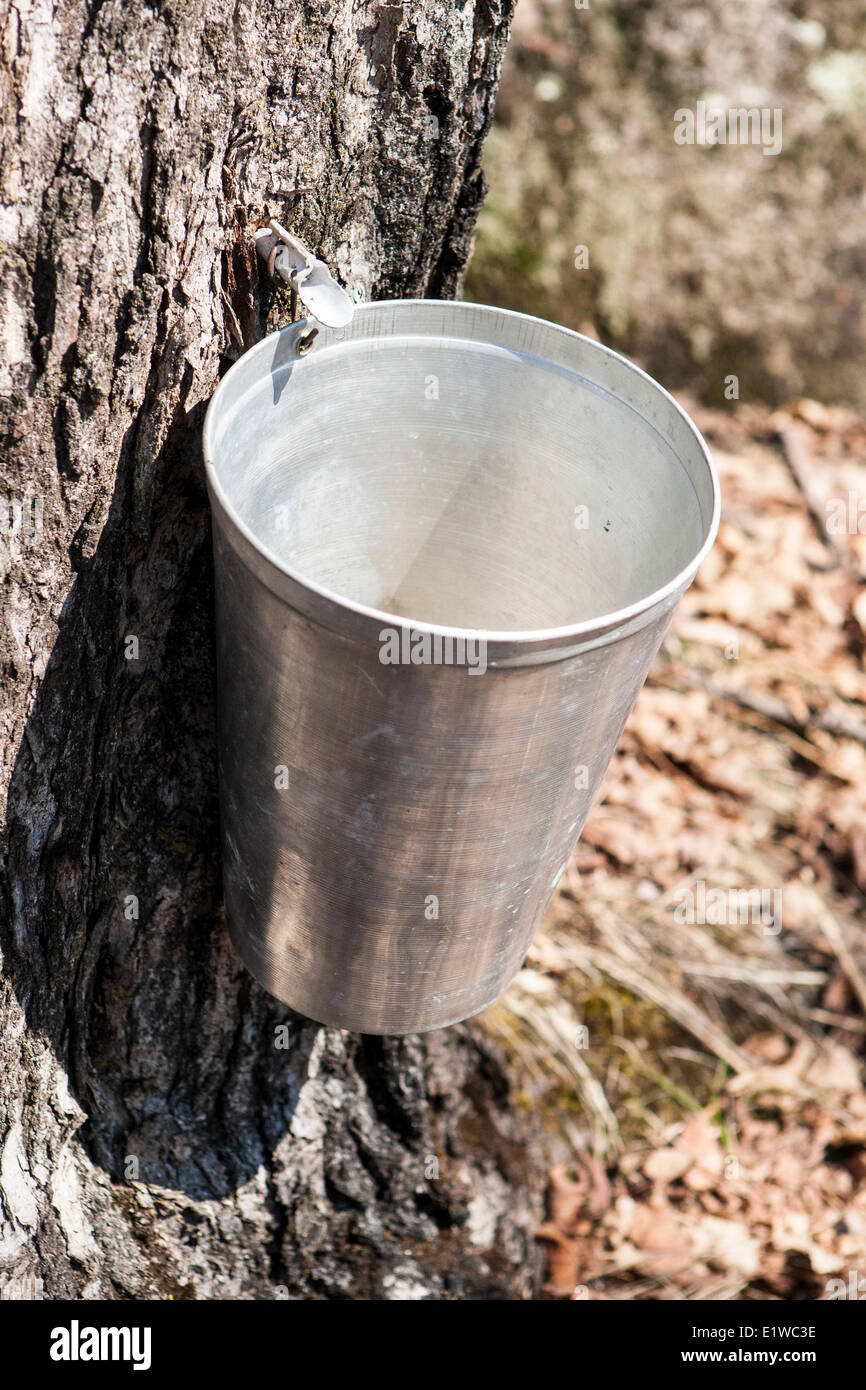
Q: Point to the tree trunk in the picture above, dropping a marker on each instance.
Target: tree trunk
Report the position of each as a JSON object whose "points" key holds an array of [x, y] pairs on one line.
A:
{"points": [[165, 1129]]}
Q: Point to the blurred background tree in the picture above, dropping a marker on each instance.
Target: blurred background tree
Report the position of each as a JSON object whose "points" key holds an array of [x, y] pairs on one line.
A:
{"points": [[702, 262]]}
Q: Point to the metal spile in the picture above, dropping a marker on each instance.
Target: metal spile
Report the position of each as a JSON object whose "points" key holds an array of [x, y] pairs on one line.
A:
{"points": [[295, 264]]}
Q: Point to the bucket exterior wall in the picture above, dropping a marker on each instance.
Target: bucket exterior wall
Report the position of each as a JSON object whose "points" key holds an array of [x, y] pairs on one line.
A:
{"points": [[392, 833]]}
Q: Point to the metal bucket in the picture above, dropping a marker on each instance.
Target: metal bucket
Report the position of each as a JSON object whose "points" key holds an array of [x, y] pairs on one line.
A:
{"points": [[448, 543]]}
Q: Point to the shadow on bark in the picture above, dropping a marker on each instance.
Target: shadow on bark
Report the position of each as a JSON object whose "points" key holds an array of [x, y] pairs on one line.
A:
{"points": [[114, 922], [408, 1162]]}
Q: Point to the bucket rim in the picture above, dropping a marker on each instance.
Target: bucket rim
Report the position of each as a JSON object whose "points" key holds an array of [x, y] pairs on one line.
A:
{"points": [[330, 604]]}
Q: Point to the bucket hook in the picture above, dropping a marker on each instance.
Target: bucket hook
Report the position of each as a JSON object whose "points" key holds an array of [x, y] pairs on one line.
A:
{"points": [[307, 277]]}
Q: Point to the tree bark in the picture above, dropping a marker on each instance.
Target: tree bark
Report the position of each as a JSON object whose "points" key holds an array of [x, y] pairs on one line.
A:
{"points": [[166, 1130]]}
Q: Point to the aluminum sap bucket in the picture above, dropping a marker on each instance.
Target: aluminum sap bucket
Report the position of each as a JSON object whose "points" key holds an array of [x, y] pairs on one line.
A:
{"points": [[448, 542]]}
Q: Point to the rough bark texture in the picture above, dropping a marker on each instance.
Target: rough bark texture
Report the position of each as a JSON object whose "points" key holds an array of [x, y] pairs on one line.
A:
{"points": [[161, 1133]]}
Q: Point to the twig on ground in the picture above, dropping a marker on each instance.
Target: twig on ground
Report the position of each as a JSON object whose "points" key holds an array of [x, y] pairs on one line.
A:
{"points": [[839, 722]]}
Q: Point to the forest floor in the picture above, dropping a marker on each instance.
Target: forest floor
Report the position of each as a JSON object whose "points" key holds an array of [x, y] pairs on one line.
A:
{"points": [[690, 1021]]}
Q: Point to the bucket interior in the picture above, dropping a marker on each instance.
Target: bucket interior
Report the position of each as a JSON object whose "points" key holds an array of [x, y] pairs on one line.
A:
{"points": [[463, 483]]}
